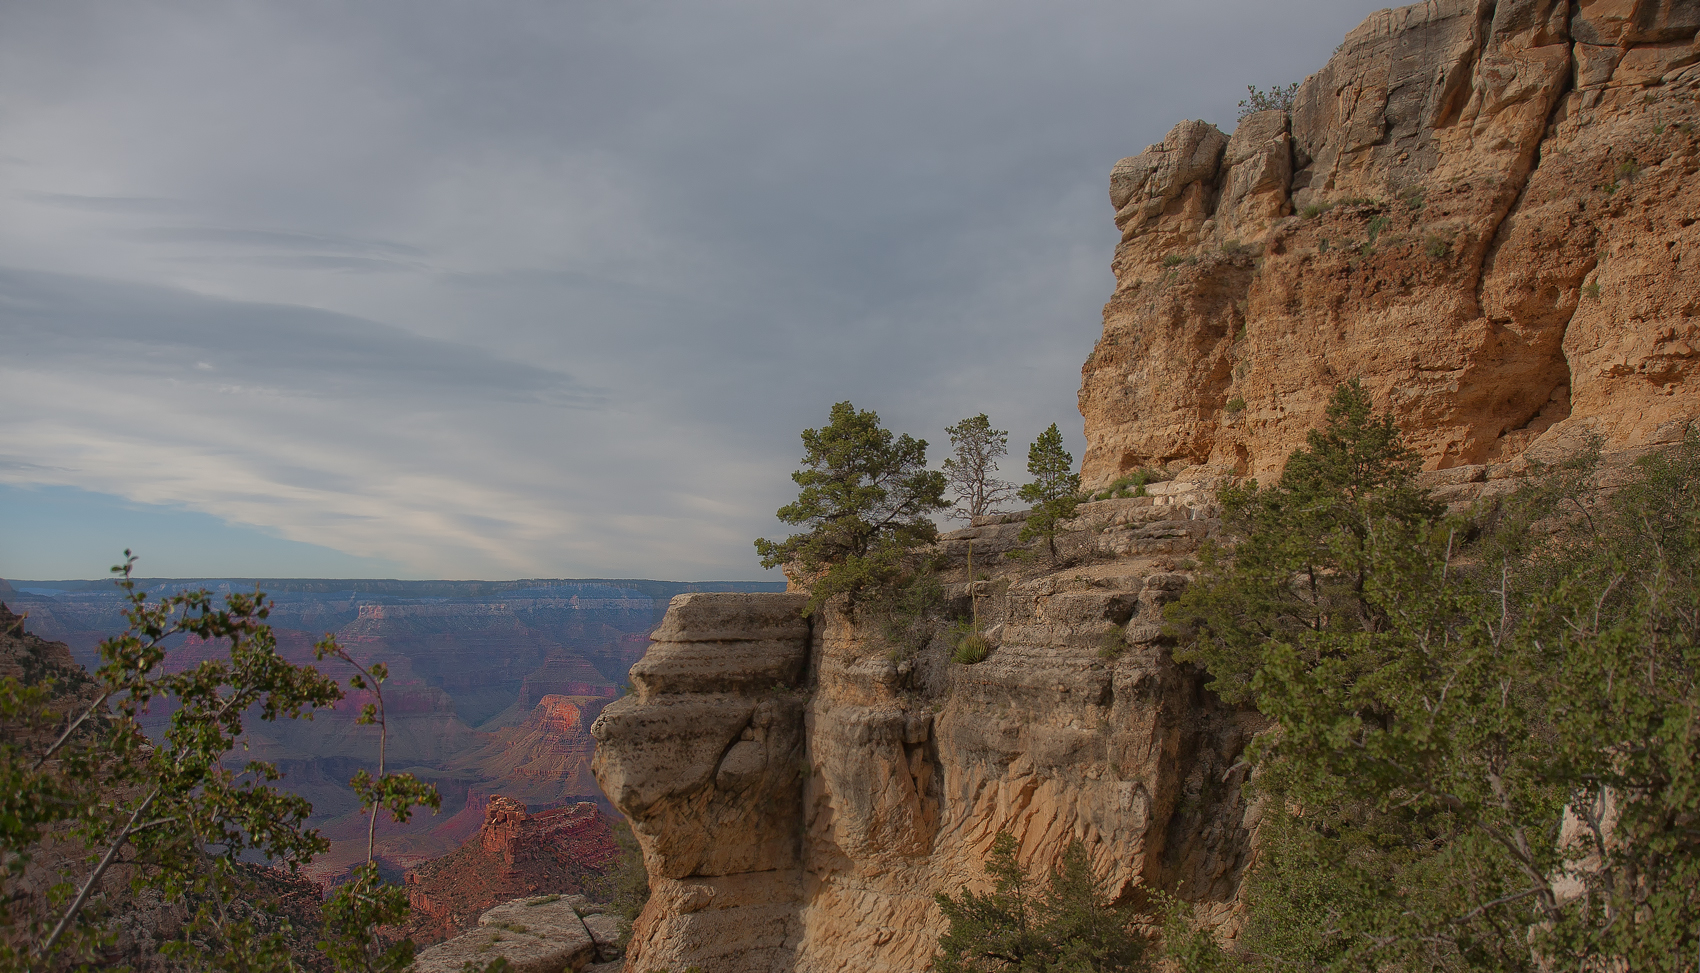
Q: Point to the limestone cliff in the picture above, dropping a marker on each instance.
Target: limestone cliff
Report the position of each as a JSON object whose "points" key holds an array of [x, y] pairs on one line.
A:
{"points": [[801, 791], [1480, 209]]}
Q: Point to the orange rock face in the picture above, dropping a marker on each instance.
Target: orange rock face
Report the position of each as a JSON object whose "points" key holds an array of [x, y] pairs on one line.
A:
{"points": [[515, 853], [1480, 210]]}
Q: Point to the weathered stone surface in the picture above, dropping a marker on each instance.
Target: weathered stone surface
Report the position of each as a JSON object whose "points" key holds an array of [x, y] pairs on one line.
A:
{"points": [[719, 667], [1493, 205], [720, 616], [537, 935]]}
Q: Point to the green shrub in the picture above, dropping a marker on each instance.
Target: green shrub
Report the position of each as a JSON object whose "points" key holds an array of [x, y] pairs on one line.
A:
{"points": [[1131, 484], [1376, 225], [1235, 405], [1112, 643], [1628, 169], [1591, 290], [1436, 246], [971, 649], [1276, 98], [1173, 260], [1312, 210]]}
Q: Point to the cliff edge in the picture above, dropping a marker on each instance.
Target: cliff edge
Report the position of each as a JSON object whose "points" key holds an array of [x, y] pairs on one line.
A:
{"points": [[1480, 209]]}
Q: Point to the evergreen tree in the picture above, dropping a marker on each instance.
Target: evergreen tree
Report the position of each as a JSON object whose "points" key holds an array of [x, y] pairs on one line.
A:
{"points": [[971, 473], [1484, 747], [1054, 490], [865, 499], [1067, 926]]}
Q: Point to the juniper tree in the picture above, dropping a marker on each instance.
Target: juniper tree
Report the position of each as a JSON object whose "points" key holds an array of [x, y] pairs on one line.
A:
{"points": [[1484, 752]]}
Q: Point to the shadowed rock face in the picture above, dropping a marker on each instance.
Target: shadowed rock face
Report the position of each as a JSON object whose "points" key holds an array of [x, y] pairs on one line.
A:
{"points": [[1480, 209]]}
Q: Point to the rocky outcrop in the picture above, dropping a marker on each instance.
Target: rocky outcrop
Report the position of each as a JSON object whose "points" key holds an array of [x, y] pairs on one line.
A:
{"points": [[541, 934], [1479, 209], [515, 853], [801, 791]]}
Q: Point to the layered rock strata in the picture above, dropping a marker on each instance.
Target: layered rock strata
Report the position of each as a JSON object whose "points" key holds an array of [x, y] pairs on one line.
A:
{"points": [[801, 791], [1481, 210], [515, 853], [541, 934]]}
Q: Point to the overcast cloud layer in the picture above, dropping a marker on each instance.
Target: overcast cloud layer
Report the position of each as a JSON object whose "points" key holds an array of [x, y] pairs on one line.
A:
{"points": [[548, 289]]}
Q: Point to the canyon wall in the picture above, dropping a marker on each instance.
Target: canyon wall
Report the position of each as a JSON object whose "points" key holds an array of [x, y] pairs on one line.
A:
{"points": [[1479, 209], [802, 790]]}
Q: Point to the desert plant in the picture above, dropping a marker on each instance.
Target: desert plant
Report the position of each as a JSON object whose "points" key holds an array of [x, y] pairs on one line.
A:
{"points": [[971, 648], [1112, 644], [1276, 98], [1173, 260], [1591, 290], [1436, 246], [1234, 406], [1376, 225]]}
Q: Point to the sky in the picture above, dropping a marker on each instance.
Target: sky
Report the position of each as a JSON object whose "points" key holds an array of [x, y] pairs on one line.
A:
{"points": [[440, 289]]}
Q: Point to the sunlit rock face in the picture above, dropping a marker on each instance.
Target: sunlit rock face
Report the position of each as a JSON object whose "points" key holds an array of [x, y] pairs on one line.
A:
{"points": [[802, 789], [1481, 210]]}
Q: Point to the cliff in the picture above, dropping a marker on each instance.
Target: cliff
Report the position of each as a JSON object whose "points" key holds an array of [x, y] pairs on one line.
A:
{"points": [[1480, 209], [801, 790], [515, 853]]}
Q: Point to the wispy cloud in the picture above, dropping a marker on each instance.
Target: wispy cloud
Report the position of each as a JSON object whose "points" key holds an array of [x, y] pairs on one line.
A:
{"points": [[533, 289]]}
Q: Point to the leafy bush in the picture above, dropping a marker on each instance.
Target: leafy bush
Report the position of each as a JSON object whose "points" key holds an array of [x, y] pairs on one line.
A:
{"points": [[1174, 260], [1234, 406], [1112, 643], [1436, 246]]}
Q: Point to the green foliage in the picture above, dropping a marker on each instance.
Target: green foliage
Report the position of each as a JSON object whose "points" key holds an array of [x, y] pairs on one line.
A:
{"points": [[1628, 169], [1591, 290], [1054, 490], [1312, 210], [908, 611], [1436, 246], [1276, 98], [1112, 644], [358, 911], [1066, 926], [1377, 223], [85, 790], [1354, 481], [1173, 260], [971, 472], [865, 499], [970, 649], [1485, 752], [1131, 484], [1234, 406]]}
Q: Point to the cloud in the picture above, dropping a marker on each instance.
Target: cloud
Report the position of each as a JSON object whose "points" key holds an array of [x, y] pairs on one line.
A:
{"points": [[532, 289]]}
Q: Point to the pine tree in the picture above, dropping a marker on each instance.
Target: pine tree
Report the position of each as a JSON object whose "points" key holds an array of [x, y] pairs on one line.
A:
{"points": [[971, 472], [1054, 491]]}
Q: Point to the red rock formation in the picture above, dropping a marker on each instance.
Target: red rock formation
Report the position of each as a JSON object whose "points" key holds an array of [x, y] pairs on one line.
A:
{"points": [[516, 853]]}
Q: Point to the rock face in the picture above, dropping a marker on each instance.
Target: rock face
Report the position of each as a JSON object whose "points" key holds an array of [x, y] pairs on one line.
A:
{"points": [[801, 791], [541, 934], [1479, 209], [515, 853]]}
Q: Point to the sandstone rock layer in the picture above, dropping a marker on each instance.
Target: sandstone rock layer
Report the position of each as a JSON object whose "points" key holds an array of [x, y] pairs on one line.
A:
{"points": [[1479, 209]]}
